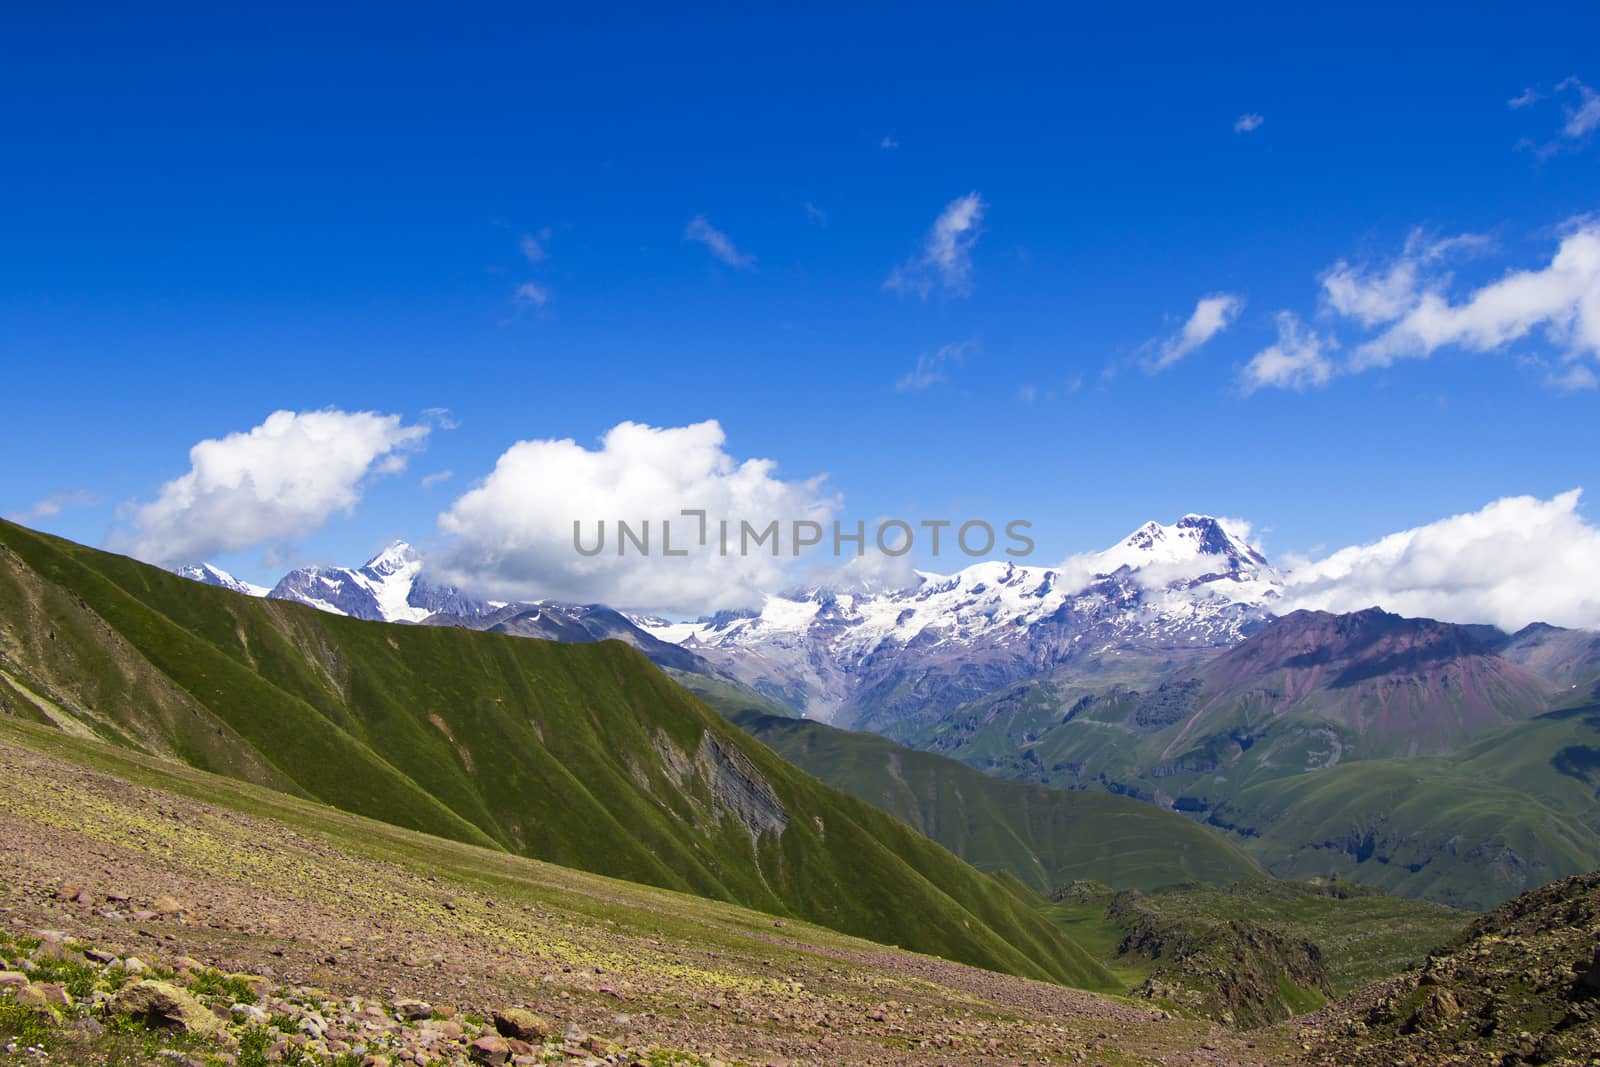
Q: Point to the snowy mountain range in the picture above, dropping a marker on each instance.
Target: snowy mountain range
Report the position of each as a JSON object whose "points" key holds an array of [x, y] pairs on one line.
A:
{"points": [[387, 588], [876, 660], [883, 659]]}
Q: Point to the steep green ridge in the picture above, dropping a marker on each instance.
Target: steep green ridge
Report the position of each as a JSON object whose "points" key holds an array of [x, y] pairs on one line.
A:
{"points": [[584, 755], [1042, 836]]}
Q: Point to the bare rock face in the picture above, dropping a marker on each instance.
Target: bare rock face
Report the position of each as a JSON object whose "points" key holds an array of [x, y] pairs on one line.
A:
{"points": [[736, 785], [162, 1006], [738, 788], [1591, 977]]}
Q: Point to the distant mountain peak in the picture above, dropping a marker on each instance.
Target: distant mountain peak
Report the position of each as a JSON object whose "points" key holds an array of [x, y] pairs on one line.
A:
{"points": [[210, 574], [1190, 539], [395, 557]]}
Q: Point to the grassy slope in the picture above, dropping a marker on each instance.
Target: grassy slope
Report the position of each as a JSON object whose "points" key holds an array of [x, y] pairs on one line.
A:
{"points": [[1506, 813], [582, 755], [710, 972], [1044, 837]]}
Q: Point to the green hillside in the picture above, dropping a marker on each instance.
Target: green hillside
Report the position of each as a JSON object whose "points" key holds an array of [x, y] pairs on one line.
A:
{"points": [[1493, 814], [584, 755], [1043, 836]]}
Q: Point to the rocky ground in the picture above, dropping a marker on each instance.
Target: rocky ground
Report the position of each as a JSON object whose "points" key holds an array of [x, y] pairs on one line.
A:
{"points": [[1520, 986], [154, 915]]}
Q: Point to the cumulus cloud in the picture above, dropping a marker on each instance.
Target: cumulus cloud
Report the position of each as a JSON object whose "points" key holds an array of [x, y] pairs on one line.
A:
{"points": [[931, 369], [511, 536], [1562, 299], [718, 242], [1212, 314], [269, 485], [55, 504], [1247, 122], [1298, 361], [945, 259], [1516, 561]]}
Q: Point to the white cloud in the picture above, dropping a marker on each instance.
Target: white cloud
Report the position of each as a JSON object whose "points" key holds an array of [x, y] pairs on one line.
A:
{"points": [[931, 369], [55, 504], [431, 480], [533, 245], [718, 242], [531, 295], [1562, 299], [1376, 297], [1299, 359], [1573, 378], [815, 214], [888, 142], [269, 485], [1248, 122], [1516, 561], [1526, 98], [1212, 314], [945, 260], [1582, 117], [511, 536], [1585, 118]]}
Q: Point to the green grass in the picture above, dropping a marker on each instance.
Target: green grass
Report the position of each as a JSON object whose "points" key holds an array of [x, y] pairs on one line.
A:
{"points": [[1044, 837], [584, 755]]}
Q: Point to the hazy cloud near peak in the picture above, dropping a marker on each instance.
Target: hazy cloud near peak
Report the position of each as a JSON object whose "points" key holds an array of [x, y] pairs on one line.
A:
{"points": [[55, 504], [1515, 561], [272, 484]]}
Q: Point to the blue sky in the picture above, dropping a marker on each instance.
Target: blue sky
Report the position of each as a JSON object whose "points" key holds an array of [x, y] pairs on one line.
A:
{"points": [[208, 216]]}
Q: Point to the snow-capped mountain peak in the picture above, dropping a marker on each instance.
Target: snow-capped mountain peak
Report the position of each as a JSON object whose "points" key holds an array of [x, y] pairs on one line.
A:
{"points": [[389, 587], [397, 556], [208, 574], [1191, 538]]}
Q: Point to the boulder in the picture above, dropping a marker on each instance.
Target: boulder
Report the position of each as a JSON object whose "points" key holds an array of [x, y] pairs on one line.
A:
{"points": [[163, 1006], [492, 1051], [523, 1025]]}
